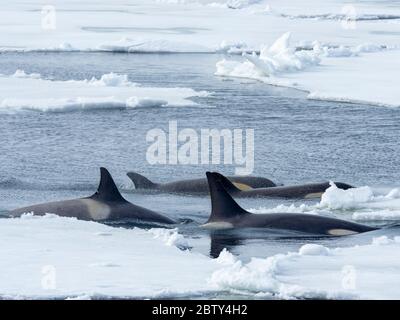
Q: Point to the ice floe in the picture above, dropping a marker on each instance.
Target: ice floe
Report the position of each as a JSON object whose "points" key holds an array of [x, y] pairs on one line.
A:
{"points": [[170, 237], [150, 46], [336, 34], [186, 26], [327, 73], [72, 95], [362, 204], [56, 257], [63, 257], [318, 272]]}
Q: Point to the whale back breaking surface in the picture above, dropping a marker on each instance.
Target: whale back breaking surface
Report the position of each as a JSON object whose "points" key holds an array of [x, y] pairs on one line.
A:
{"points": [[141, 182], [226, 213], [197, 185], [106, 203], [312, 190]]}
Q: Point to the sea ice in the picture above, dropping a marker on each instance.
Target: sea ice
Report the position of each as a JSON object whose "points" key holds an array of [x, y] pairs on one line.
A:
{"points": [[65, 96], [58, 257]]}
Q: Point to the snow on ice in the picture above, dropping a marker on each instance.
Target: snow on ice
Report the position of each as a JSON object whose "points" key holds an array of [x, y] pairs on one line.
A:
{"points": [[361, 203], [64, 96], [60, 257], [339, 51]]}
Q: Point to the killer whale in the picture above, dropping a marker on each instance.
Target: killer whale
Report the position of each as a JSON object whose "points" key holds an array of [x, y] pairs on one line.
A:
{"points": [[198, 186], [226, 214], [297, 191], [106, 204]]}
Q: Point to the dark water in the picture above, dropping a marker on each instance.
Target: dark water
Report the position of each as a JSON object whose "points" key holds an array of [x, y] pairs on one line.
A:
{"points": [[48, 156]]}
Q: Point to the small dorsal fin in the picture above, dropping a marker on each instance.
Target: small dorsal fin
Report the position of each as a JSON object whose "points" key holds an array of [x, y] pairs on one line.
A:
{"points": [[107, 190], [222, 204], [141, 182]]}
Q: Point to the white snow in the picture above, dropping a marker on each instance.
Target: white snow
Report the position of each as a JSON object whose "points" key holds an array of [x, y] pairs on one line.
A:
{"points": [[93, 260], [335, 198], [311, 249], [272, 61], [362, 203], [281, 57], [186, 26], [110, 80], [21, 74], [226, 258], [319, 272], [365, 204], [352, 50], [170, 237], [64, 96], [366, 73], [150, 46], [56, 257]]}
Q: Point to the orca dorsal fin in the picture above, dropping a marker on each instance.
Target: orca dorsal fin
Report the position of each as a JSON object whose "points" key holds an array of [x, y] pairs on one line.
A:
{"points": [[107, 190], [226, 183], [141, 182], [222, 204]]}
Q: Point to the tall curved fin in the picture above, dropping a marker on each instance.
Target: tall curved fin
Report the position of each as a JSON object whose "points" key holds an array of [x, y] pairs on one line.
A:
{"points": [[107, 190], [230, 187], [222, 204]]}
